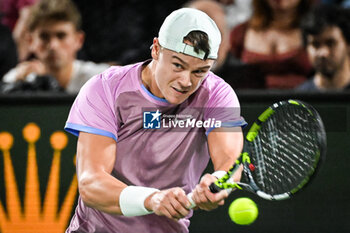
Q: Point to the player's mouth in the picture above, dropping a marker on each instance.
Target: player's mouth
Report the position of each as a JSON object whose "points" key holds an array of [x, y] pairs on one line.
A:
{"points": [[180, 91]]}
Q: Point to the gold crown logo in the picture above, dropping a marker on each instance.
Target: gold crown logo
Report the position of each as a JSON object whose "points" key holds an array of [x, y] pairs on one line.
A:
{"points": [[34, 218]]}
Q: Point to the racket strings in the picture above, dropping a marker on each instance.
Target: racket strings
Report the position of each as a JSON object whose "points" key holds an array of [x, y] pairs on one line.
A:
{"points": [[284, 150]]}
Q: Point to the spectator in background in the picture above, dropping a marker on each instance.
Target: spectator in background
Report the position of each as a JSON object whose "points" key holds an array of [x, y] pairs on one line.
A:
{"points": [[271, 44], [238, 12], [11, 11], [55, 40], [327, 35], [346, 3], [120, 31], [343, 3], [8, 58], [15, 17], [21, 34], [215, 11]]}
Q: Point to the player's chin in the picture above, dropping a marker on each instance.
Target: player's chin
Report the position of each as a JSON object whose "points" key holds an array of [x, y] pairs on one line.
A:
{"points": [[176, 100], [176, 97]]}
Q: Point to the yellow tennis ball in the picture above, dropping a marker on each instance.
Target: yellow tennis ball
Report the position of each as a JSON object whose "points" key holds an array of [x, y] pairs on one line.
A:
{"points": [[243, 211]]}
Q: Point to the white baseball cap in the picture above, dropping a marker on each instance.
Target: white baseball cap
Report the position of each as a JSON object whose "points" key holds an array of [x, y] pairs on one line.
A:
{"points": [[180, 23]]}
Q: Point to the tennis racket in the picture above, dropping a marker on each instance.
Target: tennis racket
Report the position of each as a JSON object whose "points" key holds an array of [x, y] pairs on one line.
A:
{"points": [[282, 152]]}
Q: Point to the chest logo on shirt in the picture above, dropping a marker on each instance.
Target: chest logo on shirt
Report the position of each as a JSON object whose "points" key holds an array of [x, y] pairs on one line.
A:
{"points": [[151, 120], [157, 120]]}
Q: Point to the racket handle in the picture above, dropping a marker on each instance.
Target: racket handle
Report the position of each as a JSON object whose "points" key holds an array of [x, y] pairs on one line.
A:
{"points": [[214, 188], [189, 196]]}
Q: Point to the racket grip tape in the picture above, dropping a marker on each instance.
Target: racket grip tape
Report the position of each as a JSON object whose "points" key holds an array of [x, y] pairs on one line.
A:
{"points": [[189, 196], [214, 188]]}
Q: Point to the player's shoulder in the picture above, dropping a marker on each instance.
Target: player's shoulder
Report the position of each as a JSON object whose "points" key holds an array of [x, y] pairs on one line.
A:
{"points": [[115, 73], [90, 67], [117, 76], [214, 83], [114, 79], [218, 92]]}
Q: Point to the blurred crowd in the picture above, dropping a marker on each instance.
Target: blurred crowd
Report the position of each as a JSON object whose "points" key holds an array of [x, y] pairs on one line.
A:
{"points": [[57, 45]]}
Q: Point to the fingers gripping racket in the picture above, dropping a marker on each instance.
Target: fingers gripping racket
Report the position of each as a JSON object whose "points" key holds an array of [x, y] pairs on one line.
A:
{"points": [[282, 151]]}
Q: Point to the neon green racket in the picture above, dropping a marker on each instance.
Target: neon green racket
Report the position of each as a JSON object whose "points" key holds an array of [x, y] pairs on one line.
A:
{"points": [[282, 152]]}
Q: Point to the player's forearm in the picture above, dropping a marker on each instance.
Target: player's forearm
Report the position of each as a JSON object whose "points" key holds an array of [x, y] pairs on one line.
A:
{"points": [[225, 148], [224, 162], [101, 191]]}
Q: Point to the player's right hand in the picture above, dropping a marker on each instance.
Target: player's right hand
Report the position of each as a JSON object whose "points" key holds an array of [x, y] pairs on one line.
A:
{"points": [[172, 203]]}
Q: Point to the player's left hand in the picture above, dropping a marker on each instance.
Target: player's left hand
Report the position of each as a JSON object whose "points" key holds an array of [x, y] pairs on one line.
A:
{"points": [[204, 198]]}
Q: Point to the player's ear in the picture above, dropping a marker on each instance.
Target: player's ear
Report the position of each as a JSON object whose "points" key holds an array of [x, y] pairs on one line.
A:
{"points": [[155, 49]]}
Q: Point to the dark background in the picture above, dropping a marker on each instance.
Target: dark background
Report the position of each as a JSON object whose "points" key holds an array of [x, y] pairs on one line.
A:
{"points": [[322, 207], [122, 31]]}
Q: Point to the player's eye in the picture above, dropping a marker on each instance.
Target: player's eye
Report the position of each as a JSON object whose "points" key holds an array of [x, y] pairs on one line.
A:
{"points": [[199, 73], [178, 66]]}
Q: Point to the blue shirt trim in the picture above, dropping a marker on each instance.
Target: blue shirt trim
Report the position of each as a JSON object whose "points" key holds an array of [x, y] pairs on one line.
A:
{"points": [[153, 96], [230, 124], [75, 129]]}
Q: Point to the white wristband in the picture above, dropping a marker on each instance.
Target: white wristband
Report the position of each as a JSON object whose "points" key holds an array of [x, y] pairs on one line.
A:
{"points": [[132, 198], [218, 174]]}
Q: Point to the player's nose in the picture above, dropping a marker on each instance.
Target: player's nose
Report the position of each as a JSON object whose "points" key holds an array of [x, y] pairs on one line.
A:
{"points": [[185, 80]]}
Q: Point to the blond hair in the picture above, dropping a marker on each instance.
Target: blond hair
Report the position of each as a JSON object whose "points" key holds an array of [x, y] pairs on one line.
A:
{"points": [[54, 11]]}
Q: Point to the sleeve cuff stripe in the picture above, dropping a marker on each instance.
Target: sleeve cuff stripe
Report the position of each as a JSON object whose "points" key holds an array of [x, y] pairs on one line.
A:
{"points": [[76, 128]]}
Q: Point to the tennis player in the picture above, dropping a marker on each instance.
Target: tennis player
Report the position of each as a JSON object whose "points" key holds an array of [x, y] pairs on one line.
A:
{"points": [[147, 131]]}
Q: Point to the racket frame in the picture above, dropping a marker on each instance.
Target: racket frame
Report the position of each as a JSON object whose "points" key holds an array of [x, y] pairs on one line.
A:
{"points": [[226, 182]]}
